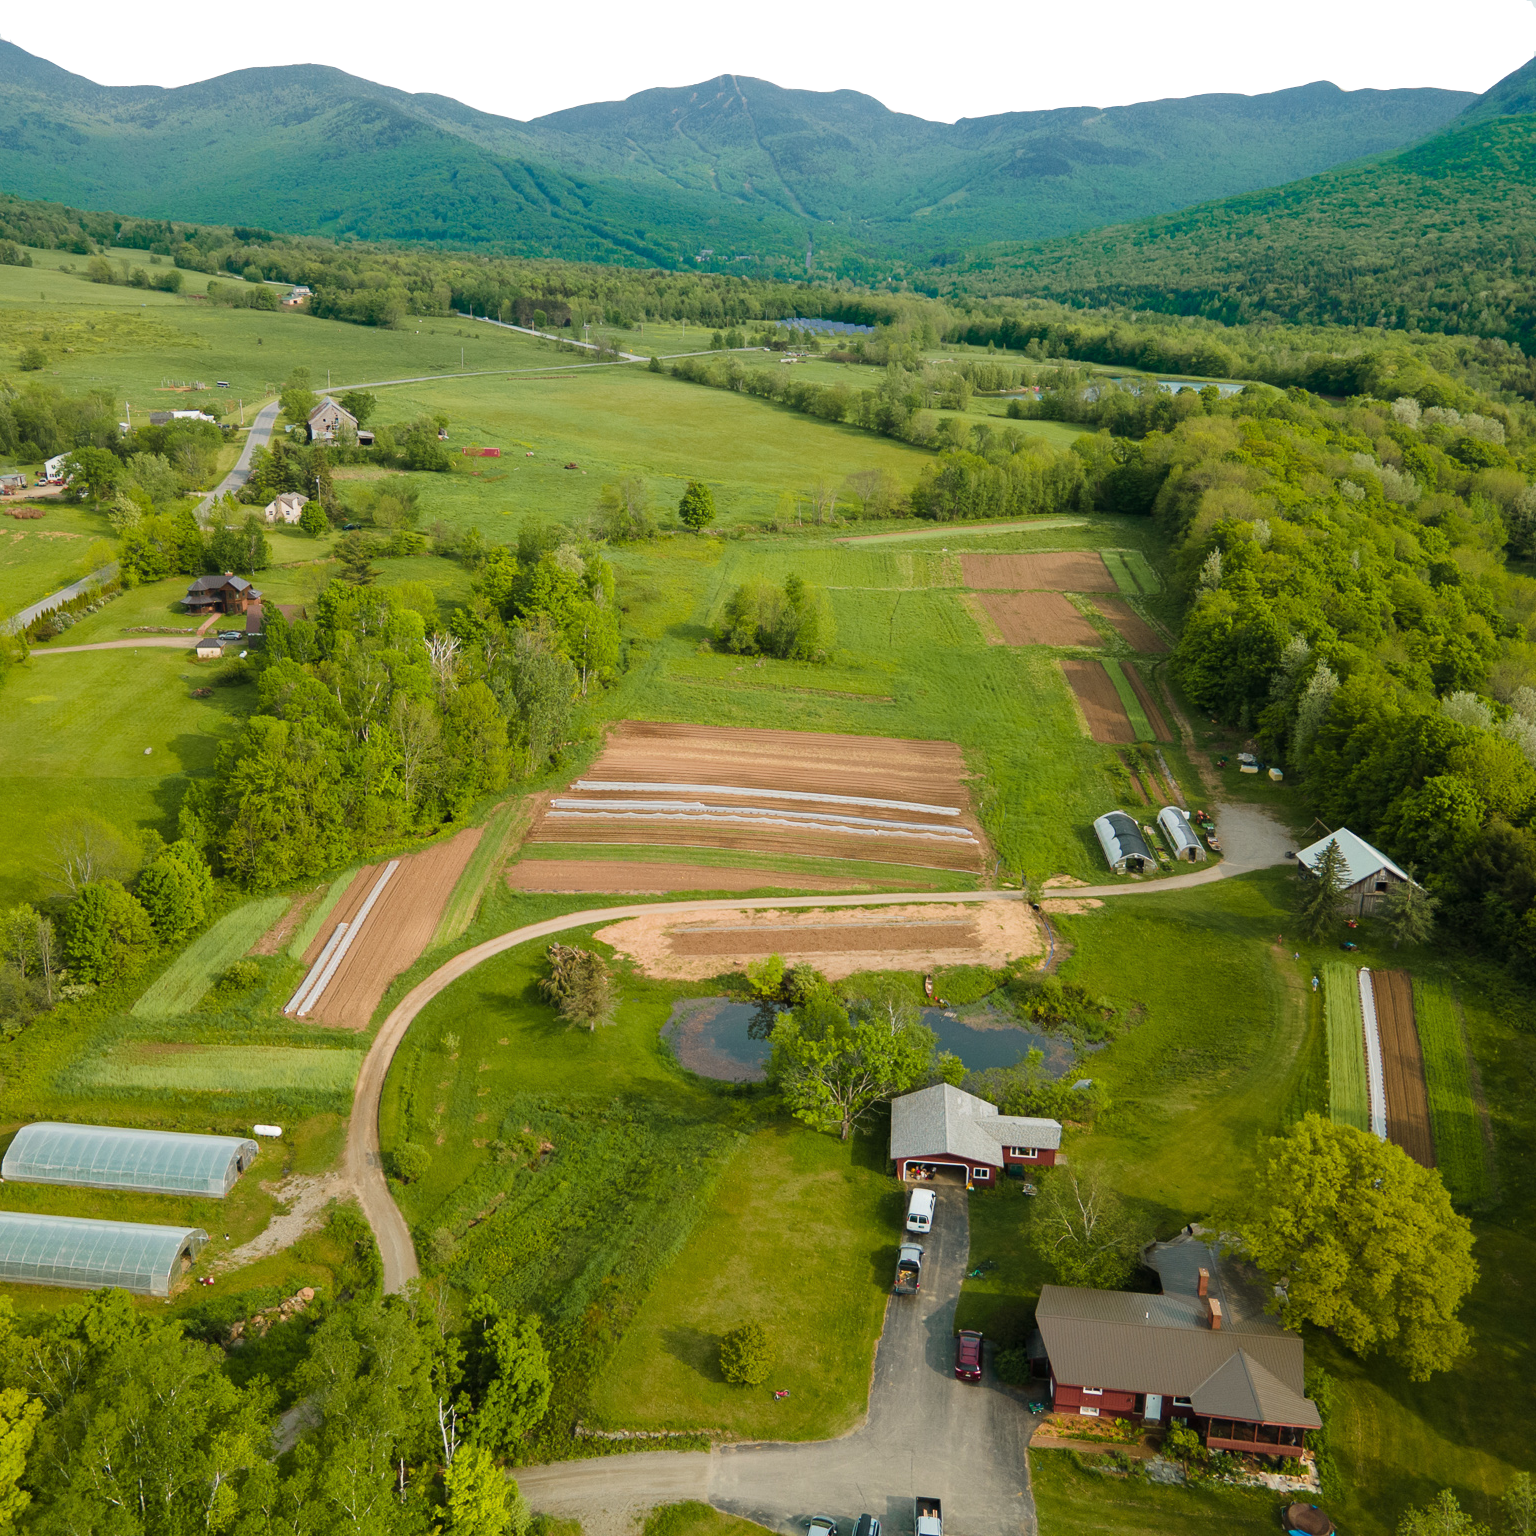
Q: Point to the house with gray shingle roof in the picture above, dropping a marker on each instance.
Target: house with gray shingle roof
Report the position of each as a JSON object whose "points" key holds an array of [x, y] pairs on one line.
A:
{"points": [[945, 1128]]}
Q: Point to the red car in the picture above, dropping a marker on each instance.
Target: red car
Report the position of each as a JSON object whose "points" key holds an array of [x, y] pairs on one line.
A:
{"points": [[968, 1356]]}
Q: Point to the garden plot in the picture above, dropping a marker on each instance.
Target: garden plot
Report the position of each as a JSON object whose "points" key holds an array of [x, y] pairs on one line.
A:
{"points": [[1037, 618], [784, 792], [1130, 625], [1155, 720], [620, 877], [1066, 570], [390, 936], [1100, 700], [839, 942], [1402, 1064]]}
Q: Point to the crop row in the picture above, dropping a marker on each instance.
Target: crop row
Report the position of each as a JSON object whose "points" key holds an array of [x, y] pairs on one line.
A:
{"points": [[1452, 1108], [1348, 1099]]}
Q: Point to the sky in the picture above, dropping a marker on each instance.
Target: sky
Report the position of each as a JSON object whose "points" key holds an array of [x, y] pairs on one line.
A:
{"points": [[993, 56]]}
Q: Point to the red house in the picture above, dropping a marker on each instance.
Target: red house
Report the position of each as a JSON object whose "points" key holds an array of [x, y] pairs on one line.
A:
{"points": [[942, 1128], [1228, 1370]]}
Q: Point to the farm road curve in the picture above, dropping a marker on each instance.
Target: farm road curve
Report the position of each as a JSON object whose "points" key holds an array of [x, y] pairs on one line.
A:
{"points": [[1253, 838], [926, 1432]]}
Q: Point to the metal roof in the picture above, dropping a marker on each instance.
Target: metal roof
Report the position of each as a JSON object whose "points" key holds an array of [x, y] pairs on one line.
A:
{"points": [[1361, 861], [1175, 823], [1128, 1342], [1121, 839], [66, 1250], [945, 1119], [115, 1157]]}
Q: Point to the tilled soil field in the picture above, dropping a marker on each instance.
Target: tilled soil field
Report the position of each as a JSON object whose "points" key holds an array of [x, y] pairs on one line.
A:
{"points": [[1130, 625], [828, 796], [1068, 570], [1143, 691], [1038, 618], [1402, 1066], [620, 877], [395, 932], [840, 942], [1106, 716]]}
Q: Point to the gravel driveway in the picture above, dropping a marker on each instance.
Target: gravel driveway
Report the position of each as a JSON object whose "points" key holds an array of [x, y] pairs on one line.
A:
{"points": [[926, 1433]]}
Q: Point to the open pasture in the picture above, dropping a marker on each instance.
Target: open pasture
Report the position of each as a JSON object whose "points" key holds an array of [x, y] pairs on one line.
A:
{"points": [[1037, 618], [1100, 701], [1402, 1064], [1130, 626], [773, 791], [1063, 570], [40, 555]]}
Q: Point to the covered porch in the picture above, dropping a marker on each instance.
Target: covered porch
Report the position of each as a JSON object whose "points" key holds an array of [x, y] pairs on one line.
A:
{"points": [[1251, 1439]]}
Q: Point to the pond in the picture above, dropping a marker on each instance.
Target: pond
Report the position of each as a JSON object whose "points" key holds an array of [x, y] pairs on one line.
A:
{"points": [[714, 1037]]}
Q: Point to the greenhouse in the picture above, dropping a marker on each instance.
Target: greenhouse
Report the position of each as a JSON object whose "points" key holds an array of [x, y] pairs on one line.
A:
{"points": [[66, 1250], [113, 1157]]}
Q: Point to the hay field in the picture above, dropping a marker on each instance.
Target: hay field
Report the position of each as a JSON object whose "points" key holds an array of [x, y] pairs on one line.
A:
{"points": [[177, 1068], [179, 988]]}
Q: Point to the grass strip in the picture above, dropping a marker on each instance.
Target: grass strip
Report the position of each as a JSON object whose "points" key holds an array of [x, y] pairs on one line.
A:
{"points": [[222, 1068], [182, 985], [316, 919], [1119, 573], [1459, 1151], [1348, 1100], [1141, 568], [489, 854], [950, 531], [1129, 701]]}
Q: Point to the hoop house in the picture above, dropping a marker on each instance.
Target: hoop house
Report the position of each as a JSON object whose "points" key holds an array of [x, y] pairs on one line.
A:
{"points": [[111, 1157], [66, 1250]]}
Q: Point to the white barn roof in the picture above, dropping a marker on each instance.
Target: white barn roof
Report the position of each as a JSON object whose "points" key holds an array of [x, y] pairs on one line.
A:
{"points": [[945, 1119], [1361, 861]]}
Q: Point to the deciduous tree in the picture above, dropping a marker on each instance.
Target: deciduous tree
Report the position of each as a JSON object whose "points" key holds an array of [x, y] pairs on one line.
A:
{"points": [[697, 507], [107, 934], [1083, 1232]]}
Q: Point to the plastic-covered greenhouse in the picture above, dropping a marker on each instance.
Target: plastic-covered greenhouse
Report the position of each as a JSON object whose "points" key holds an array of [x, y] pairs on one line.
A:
{"points": [[111, 1157], [66, 1250]]}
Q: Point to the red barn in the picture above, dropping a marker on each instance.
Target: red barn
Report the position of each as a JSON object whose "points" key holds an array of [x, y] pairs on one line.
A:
{"points": [[944, 1128]]}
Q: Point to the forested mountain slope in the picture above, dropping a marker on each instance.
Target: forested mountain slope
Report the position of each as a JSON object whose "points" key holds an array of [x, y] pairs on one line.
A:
{"points": [[1441, 236], [738, 166]]}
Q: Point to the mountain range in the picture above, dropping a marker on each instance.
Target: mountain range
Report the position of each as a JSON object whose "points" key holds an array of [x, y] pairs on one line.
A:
{"points": [[740, 168]]}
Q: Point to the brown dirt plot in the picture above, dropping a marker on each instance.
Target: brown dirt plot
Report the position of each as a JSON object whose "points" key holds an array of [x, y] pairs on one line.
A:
{"points": [[398, 929], [1067, 570], [1402, 1066], [276, 938], [1037, 618], [1130, 625], [838, 941], [1106, 716], [1148, 701], [619, 877], [798, 792]]}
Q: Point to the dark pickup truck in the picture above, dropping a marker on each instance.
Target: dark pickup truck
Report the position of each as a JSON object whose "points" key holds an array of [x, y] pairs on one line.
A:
{"points": [[909, 1269]]}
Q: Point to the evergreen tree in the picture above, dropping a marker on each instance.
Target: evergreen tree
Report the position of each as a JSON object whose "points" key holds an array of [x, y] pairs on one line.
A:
{"points": [[356, 556], [1320, 893], [1409, 911]]}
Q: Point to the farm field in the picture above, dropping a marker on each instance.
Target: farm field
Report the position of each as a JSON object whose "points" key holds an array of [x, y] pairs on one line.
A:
{"points": [[173, 1068], [1130, 626], [1099, 699], [1048, 571], [1038, 618], [1349, 1099], [1130, 698], [179, 988], [1403, 1067], [1453, 1113], [654, 879], [1148, 701], [775, 791], [40, 555]]}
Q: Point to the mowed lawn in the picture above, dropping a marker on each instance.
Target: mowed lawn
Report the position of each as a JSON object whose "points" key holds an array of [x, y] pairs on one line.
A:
{"points": [[800, 1236], [1082, 1501], [40, 555], [73, 734]]}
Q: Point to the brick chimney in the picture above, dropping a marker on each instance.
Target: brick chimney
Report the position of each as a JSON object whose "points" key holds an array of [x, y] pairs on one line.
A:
{"points": [[1204, 1287], [1213, 1311]]}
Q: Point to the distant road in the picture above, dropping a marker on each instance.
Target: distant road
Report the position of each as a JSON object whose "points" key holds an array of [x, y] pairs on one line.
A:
{"points": [[260, 435]]}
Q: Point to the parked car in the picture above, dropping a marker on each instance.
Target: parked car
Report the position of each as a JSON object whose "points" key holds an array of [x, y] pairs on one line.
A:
{"points": [[867, 1526], [231, 634], [968, 1355], [822, 1525], [920, 1210], [909, 1269]]}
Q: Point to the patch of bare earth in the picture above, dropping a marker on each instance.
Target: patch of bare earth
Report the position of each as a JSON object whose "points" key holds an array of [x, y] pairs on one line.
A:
{"points": [[1067, 570], [621, 878], [276, 938], [1102, 710], [306, 1197], [1038, 618], [837, 941], [1148, 701], [1130, 625], [1069, 905]]}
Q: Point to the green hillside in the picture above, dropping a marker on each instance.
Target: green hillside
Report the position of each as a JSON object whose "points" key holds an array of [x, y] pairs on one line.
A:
{"points": [[736, 166], [1441, 236]]}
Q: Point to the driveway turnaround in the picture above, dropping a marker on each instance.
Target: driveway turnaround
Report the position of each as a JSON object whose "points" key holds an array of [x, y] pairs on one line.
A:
{"points": [[926, 1433]]}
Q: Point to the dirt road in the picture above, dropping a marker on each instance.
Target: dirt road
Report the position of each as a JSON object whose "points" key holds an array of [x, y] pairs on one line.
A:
{"points": [[926, 1432]]}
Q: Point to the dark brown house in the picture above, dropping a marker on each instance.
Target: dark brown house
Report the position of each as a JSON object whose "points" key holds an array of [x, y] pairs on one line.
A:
{"points": [[220, 594], [1229, 1371]]}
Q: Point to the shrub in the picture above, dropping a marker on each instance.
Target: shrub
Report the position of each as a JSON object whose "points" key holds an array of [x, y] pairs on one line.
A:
{"points": [[744, 1356], [1012, 1367], [240, 977], [107, 934], [1182, 1442], [33, 359], [411, 1160]]}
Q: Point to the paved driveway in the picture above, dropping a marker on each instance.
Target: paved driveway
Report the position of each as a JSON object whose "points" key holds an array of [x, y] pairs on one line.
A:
{"points": [[926, 1433]]}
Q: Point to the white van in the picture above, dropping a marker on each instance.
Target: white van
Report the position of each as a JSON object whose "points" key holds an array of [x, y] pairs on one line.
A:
{"points": [[920, 1211]]}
